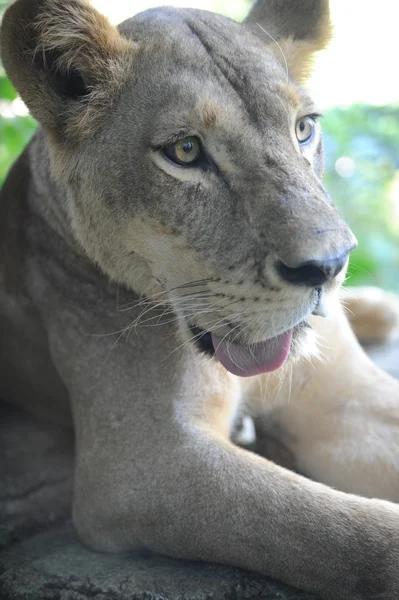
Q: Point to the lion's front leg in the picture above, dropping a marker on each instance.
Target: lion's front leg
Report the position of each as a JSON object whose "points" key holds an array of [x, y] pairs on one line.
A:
{"points": [[155, 469], [339, 417], [184, 490]]}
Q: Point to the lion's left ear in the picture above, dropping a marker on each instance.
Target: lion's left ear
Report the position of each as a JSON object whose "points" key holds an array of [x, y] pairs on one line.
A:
{"points": [[300, 27]]}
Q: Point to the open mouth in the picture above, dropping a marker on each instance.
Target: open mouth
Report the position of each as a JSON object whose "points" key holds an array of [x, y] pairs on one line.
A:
{"points": [[242, 359]]}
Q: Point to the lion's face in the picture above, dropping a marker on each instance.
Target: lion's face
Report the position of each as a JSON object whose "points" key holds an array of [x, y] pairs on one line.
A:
{"points": [[206, 177]]}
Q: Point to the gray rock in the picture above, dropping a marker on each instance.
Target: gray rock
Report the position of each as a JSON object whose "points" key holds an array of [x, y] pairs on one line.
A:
{"points": [[54, 565], [42, 559]]}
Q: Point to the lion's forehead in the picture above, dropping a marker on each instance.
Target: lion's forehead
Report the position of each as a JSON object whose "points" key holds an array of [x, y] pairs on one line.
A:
{"points": [[214, 51]]}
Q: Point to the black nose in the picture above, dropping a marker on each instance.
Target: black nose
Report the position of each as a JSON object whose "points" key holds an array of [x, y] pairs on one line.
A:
{"points": [[313, 273]]}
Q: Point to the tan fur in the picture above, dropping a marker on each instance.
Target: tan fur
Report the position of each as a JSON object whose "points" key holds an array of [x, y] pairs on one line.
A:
{"points": [[86, 41], [299, 55], [295, 54], [338, 415], [85, 38], [210, 113], [216, 412], [81, 41], [372, 313], [292, 95]]}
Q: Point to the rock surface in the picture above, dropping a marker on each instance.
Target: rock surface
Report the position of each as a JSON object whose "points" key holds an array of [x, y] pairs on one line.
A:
{"points": [[42, 559]]}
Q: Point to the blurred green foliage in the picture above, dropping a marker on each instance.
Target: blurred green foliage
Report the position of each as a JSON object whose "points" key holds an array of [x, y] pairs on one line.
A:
{"points": [[15, 132], [362, 177], [364, 183]]}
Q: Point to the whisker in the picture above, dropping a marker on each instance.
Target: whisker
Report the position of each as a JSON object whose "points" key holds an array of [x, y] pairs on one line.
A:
{"points": [[147, 299], [197, 336], [355, 267], [279, 47], [153, 297], [194, 295], [229, 342], [188, 316], [207, 308]]}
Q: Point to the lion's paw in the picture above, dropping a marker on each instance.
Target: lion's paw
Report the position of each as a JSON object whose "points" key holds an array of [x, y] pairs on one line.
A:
{"points": [[373, 313]]}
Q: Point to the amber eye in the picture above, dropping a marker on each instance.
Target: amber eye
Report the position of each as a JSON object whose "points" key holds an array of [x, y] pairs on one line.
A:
{"points": [[184, 152], [305, 129]]}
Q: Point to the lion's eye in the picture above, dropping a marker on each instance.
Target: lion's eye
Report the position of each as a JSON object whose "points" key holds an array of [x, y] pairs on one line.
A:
{"points": [[305, 129], [184, 152]]}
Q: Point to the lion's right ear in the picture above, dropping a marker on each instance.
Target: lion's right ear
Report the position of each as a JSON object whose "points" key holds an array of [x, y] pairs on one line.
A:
{"points": [[66, 60], [292, 29]]}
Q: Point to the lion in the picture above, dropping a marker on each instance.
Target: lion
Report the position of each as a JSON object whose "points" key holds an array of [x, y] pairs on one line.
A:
{"points": [[170, 262]]}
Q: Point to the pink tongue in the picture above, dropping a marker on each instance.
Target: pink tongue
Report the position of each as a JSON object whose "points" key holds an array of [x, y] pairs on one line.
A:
{"points": [[246, 361]]}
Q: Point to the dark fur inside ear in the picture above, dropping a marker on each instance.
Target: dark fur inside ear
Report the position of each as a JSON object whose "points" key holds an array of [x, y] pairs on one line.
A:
{"points": [[67, 62], [69, 85]]}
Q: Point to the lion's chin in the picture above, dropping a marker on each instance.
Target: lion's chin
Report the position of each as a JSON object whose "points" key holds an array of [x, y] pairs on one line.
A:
{"points": [[304, 344]]}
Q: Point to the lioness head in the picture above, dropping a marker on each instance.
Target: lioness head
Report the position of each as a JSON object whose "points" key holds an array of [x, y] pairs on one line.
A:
{"points": [[191, 161]]}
